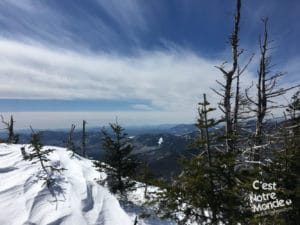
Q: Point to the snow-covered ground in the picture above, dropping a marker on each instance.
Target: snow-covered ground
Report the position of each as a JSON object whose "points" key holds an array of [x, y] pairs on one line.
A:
{"points": [[78, 200], [136, 206]]}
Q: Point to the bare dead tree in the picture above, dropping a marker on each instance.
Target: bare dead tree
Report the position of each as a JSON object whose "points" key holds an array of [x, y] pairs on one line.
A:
{"points": [[83, 142], [135, 221], [70, 142], [207, 124], [9, 126], [267, 89], [262, 86], [241, 104], [226, 89]]}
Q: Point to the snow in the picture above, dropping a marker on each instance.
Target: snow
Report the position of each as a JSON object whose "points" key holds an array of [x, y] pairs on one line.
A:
{"points": [[78, 200], [136, 206], [160, 141]]}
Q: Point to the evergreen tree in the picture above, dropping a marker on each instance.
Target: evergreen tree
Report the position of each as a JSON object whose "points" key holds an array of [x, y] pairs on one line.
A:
{"points": [[147, 177], [121, 163], [39, 155], [194, 192], [209, 190], [285, 169]]}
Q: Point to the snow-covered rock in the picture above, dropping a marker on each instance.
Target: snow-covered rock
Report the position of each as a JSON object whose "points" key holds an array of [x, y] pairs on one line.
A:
{"points": [[79, 200]]}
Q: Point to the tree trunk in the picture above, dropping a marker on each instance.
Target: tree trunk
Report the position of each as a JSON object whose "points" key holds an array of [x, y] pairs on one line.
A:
{"points": [[83, 139]]}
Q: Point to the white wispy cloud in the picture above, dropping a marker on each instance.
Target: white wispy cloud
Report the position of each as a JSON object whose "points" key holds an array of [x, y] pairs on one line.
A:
{"points": [[47, 22], [169, 79], [172, 81], [27, 5], [127, 13], [142, 107], [37, 63]]}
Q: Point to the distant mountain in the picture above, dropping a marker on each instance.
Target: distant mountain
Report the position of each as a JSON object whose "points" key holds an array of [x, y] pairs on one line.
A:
{"points": [[162, 152], [182, 129], [161, 146], [162, 157]]}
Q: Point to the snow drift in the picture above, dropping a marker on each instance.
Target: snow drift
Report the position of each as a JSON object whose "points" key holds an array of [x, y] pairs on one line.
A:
{"points": [[78, 200]]}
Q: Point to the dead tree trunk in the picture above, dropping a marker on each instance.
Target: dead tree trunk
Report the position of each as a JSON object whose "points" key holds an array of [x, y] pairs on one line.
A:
{"points": [[240, 102], [225, 105], [9, 126], [266, 90], [207, 139], [70, 142], [83, 139], [261, 89]]}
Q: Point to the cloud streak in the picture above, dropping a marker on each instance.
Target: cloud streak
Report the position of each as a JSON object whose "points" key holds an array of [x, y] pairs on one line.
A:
{"points": [[168, 79], [94, 25], [109, 50]]}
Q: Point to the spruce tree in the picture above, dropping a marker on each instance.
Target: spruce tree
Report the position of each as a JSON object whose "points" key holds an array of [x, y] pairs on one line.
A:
{"points": [[210, 189], [284, 168], [121, 163], [37, 154], [194, 192], [147, 177]]}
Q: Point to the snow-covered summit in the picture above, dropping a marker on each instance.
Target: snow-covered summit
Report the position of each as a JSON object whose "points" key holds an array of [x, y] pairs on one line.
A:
{"points": [[79, 200]]}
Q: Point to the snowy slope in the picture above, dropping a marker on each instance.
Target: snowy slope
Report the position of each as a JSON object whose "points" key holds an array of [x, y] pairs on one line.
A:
{"points": [[79, 199]]}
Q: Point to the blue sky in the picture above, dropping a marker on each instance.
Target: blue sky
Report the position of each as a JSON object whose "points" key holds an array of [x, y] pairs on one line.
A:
{"points": [[144, 61]]}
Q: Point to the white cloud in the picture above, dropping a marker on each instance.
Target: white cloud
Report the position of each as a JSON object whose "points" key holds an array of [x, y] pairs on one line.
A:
{"points": [[141, 107], [170, 80], [292, 70], [27, 5], [127, 13], [47, 22]]}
